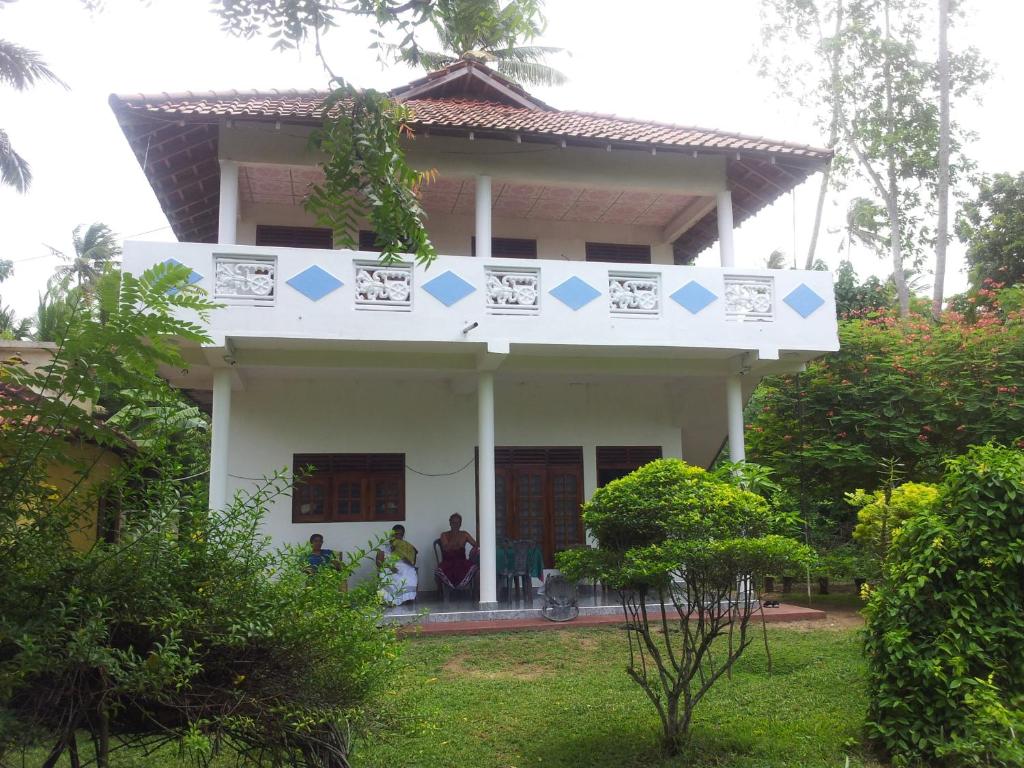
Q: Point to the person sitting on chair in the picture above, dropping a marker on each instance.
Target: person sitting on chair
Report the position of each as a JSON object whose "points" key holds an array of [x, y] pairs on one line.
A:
{"points": [[455, 570], [318, 556], [399, 583]]}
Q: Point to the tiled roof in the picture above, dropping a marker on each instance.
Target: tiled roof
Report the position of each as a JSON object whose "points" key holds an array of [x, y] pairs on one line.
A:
{"points": [[465, 114], [175, 135]]}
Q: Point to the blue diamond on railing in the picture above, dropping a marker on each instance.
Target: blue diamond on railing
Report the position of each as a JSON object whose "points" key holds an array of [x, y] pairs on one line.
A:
{"points": [[575, 293], [314, 283], [193, 278], [693, 297], [448, 288], [804, 301]]}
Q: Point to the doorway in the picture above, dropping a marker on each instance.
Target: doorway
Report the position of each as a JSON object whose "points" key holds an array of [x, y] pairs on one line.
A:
{"points": [[538, 494]]}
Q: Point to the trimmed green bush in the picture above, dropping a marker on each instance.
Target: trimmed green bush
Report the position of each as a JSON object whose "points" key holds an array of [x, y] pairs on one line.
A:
{"points": [[945, 636], [684, 547]]}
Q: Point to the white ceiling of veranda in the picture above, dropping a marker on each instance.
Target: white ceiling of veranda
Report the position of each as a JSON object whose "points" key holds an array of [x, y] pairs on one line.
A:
{"points": [[287, 186]]}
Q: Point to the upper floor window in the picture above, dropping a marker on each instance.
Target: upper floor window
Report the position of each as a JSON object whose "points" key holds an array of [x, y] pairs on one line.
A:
{"points": [[348, 487], [619, 252], [294, 237], [509, 248], [615, 461]]}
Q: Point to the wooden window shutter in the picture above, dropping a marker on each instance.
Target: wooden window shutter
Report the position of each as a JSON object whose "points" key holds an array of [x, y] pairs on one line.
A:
{"points": [[619, 252], [294, 237]]}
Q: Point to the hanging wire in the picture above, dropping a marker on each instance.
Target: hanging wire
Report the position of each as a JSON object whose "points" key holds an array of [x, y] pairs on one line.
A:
{"points": [[441, 474]]}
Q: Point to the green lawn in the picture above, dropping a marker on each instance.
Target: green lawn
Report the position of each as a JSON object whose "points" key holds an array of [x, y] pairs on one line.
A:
{"points": [[563, 699]]}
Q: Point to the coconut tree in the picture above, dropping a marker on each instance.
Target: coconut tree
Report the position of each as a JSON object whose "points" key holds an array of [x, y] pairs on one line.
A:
{"points": [[94, 249], [483, 31], [20, 68]]}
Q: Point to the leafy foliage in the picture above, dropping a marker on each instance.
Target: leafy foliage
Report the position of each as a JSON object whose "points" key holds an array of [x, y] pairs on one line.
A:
{"points": [[484, 30], [366, 174], [692, 543], [179, 623], [993, 228], [945, 636], [881, 515], [859, 64], [20, 68], [912, 390]]}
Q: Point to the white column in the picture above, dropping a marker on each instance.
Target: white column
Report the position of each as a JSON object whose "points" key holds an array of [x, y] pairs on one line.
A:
{"points": [[725, 247], [487, 533], [734, 413], [219, 442], [483, 217], [227, 226]]}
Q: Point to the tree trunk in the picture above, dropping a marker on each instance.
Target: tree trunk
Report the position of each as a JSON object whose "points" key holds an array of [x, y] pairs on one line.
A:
{"points": [[833, 136], [892, 198], [942, 227]]}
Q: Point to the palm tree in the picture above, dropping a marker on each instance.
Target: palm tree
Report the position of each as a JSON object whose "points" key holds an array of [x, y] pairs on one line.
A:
{"points": [[54, 311], [20, 68], [483, 31], [94, 251]]}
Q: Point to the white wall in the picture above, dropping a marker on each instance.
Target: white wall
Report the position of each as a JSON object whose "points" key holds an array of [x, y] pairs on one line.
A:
{"points": [[435, 426]]}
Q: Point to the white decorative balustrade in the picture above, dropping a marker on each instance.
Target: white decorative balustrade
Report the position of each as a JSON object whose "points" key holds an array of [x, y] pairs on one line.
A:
{"points": [[385, 287], [246, 279], [285, 293], [512, 290], [749, 299], [634, 293]]}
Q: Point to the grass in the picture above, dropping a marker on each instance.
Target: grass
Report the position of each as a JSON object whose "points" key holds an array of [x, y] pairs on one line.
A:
{"points": [[563, 699]]}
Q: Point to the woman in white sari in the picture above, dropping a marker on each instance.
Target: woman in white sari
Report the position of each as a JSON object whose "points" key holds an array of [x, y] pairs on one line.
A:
{"points": [[398, 560]]}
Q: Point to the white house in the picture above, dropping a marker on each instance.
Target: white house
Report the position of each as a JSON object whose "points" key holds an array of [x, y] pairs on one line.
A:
{"points": [[561, 340]]}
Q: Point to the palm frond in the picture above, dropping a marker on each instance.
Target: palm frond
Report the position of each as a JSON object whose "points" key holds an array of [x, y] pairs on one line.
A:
{"points": [[531, 73], [22, 68], [14, 169], [528, 52], [435, 60]]}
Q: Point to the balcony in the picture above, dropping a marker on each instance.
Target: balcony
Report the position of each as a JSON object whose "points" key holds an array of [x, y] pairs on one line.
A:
{"points": [[588, 308]]}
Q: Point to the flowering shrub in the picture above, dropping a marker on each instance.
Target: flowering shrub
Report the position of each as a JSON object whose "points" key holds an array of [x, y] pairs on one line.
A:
{"points": [[914, 390]]}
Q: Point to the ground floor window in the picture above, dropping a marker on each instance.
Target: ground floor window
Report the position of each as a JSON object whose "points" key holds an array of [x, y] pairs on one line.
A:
{"points": [[615, 461], [348, 487]]}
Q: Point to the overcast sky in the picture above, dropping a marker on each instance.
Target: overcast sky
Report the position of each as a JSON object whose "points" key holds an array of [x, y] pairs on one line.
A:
{"points": [[679, 61]]}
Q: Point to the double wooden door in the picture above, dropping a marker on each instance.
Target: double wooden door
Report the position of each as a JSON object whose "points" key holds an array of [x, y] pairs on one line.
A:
{"points": [[538, 495]]}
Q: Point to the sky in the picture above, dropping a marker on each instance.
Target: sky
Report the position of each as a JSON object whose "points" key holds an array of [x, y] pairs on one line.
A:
{"points": [[679, 61]]}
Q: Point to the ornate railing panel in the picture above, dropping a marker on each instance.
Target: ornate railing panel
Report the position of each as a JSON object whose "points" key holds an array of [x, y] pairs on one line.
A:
{"points": [[634, 293], [245, 279], [383, 287], [749, 299], [512, 290]]}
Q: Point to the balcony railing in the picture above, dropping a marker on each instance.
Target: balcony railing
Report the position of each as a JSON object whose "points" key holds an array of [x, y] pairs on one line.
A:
{"points": [[327, 294]]}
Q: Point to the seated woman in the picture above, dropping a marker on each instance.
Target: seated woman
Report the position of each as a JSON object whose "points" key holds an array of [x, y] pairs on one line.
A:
{"points": [[399, 584], [455, 570]]}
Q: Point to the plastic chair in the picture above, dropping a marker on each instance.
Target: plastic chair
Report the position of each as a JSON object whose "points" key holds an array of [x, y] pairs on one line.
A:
{"points": [[517, 572], [559, 599], [471, 584]]}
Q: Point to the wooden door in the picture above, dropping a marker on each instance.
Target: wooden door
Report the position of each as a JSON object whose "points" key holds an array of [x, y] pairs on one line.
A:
{"points": [[538, 494]]}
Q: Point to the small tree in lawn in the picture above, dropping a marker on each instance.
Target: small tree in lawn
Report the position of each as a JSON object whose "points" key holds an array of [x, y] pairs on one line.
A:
{"points": [[694, 545]]}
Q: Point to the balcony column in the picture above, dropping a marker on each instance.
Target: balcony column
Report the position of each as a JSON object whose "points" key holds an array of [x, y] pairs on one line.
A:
{"points": [[487, 531], [483, 217], [725, 227], [227, 225], [219, 438], [734, 416]]}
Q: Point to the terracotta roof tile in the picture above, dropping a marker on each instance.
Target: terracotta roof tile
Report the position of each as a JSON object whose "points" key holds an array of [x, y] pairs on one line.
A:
{"points": [[465, 114]]}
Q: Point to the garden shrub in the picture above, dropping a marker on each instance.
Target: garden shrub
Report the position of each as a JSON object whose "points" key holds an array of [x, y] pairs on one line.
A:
{"points": [[945, 632], [694, 542]]}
